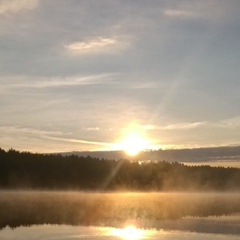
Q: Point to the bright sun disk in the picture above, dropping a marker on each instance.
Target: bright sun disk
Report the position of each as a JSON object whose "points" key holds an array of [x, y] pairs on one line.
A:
{"points": [[133, 144]]}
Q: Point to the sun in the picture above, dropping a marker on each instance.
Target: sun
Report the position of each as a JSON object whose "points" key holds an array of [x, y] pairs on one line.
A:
{"points": [[130, 232], [133, 143]]}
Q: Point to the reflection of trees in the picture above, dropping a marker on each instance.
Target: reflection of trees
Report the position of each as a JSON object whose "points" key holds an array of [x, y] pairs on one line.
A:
{"points": [[41, 171], [111, 209]]}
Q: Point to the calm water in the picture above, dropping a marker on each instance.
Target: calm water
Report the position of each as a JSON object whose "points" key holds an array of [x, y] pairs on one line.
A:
{"points": [[64, 232], [126, 216]]}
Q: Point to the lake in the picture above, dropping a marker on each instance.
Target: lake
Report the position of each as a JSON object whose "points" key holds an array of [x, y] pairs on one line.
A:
{"points": [[79, 215]]}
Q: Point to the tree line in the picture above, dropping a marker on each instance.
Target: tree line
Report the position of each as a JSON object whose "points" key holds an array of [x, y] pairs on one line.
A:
{"points": [[24, 170]]}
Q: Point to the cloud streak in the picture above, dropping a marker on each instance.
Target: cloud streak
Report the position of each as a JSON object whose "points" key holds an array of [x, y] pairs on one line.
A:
{"points": [[8, 133], [230, 123], [95, 45], [53, 82], [184, 126], [72, 140], [177, 126], [30, 131], [92, 129], [177, 13]]}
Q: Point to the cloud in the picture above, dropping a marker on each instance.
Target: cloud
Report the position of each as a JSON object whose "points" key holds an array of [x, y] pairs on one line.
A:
{"points": [[25, 138], [72, 140], [29, 134], [92, 129], [177, 13], [177, 126], [96, 45], [52, 82], [145, 85], [183, 126], [217, 12], [228, 123], [27, 131], [14, 6]]}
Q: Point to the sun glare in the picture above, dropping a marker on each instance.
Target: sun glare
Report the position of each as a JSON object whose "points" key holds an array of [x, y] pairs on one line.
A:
{"points": [[128, 233], [133, 144]]}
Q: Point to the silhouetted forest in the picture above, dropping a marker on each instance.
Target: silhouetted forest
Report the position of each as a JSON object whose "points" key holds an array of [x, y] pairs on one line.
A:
{"points": [[24, 170]]}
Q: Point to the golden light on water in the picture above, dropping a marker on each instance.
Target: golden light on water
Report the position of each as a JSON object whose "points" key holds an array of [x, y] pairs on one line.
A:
{"points": [[130, 232]]}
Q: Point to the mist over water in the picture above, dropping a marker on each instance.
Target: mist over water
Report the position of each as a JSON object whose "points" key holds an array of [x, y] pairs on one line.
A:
{"points": [[195, 212]]}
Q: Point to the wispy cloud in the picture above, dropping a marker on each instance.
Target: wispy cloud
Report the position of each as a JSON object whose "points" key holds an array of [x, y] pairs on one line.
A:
{"points": [[92, 44], [146, 85], [14, 6], [177, 126], [178, 13], [183, 126], [21, 136], [228, 123], [73, 140], [26, 138], [96, 45], [52, 82], [27, 131], [92, 129]]}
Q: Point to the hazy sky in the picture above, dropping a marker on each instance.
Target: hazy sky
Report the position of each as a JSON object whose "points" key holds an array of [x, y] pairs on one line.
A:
{"points": [[80, 74]]}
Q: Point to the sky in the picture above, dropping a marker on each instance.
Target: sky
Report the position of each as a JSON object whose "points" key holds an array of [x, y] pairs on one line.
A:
{"points": [[82, 75]]}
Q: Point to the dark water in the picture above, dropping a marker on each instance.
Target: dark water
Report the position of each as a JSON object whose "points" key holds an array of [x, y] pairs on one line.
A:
{"points": [[78, 215]]}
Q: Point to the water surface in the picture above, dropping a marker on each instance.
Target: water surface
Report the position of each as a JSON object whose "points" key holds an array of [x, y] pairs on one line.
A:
{"points": [[64, 232], [78, 215]]}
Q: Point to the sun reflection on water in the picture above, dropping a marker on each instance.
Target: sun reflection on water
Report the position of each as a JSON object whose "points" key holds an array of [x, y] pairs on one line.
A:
{"points": [[130, 232]]}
